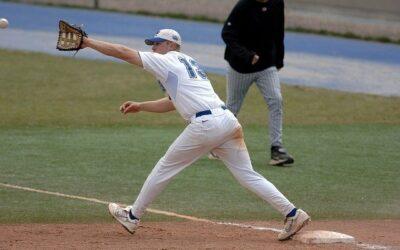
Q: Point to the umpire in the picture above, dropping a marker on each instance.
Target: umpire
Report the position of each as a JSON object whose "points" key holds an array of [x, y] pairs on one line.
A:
{"points": [[254, 37]]}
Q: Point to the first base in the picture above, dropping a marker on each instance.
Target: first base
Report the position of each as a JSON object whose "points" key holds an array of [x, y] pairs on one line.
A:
{"points": [[323, 237]]}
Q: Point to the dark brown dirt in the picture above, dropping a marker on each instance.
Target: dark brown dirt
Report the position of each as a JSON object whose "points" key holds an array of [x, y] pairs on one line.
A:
{"points": [[189, 235]]}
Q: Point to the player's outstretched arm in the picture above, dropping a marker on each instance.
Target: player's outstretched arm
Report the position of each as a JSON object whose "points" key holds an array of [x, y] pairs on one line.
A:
{"points": [[159, 106], [115, 50]]}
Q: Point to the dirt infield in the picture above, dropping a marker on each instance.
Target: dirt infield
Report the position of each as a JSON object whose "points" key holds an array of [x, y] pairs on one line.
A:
{"points": [[190, 235]]}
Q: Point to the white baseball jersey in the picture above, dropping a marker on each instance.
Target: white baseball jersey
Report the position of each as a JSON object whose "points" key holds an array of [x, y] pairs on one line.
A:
{"points": [[183, 79]]}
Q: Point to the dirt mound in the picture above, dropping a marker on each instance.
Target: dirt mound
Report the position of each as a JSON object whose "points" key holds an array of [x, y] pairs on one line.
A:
{"points": [[187, 235]]}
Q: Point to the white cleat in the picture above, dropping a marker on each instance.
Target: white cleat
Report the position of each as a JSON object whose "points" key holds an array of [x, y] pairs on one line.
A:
{"points": [[128, 208], [294, 224], [121, 214]]}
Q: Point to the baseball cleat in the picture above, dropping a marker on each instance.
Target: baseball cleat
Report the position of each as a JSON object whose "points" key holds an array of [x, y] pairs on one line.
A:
{"points": [[121, 214], [280, 156], [294, 224], [128, 208]]}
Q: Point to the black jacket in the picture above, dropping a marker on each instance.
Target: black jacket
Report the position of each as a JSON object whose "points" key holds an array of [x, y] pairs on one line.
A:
{"points": [[255, 28]]}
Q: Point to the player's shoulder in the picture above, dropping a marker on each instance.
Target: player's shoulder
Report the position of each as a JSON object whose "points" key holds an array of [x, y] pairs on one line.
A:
{"points": [[177, 55], [161, 57]]}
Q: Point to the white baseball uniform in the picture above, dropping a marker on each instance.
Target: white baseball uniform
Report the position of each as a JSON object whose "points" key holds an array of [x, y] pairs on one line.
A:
{"points": [[212, 128]]}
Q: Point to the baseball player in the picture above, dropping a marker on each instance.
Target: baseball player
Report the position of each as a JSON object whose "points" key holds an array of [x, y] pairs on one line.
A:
{"points": [[211, 127]]}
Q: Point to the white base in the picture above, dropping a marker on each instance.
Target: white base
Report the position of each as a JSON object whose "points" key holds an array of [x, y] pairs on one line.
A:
{"points": [[323, 237]]}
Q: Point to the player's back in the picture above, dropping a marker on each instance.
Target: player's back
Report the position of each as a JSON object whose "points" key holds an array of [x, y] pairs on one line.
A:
{"points": [[184, 80]]}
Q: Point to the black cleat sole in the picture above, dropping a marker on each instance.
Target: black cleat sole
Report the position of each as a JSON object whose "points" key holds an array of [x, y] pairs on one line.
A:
{"points": [[281, 163]]}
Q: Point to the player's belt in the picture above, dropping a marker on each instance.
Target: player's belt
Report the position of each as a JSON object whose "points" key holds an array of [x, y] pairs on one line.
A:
{"points": [[207, 112]]}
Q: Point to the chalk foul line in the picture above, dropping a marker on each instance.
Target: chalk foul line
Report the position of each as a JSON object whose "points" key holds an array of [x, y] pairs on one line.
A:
{"points": [[171, 214], [154, 211]]}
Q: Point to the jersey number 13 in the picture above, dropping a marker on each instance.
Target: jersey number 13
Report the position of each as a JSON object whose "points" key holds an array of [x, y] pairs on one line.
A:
{"points": [[193, 69]]}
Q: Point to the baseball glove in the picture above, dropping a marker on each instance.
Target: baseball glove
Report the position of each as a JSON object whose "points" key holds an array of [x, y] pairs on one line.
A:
{"points": [[70, 37]]}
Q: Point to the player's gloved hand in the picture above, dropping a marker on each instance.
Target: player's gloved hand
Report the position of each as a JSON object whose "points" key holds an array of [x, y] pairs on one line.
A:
{"points": [[70, 37], [130, 107]]}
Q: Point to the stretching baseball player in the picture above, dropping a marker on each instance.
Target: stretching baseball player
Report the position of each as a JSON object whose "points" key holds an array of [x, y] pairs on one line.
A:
{"points": [[211, 127]]}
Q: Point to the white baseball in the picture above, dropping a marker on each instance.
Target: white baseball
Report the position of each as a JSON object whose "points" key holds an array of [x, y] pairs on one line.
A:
{"points": [[3, 23]]}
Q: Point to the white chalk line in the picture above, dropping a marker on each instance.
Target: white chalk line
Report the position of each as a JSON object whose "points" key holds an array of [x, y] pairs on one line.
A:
{"points": [[155, 211], [371, 247], [172, 214]]}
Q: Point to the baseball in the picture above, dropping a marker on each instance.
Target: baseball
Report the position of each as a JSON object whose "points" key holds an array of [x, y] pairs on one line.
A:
{"points": [[3, 23]]}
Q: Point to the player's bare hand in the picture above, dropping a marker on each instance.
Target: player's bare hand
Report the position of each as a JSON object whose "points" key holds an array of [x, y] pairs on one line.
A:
{"points": [[255, 59], [130, 107]]}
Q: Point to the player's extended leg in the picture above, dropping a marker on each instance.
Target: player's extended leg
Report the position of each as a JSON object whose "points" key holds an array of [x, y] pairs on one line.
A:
{"points": [[269, 85], [186, 149], [235, 156], [237, 86]]}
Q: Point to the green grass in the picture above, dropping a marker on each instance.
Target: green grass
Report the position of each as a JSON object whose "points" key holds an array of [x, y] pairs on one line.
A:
{"points": [[60, 130], [40, 90], [332, 178]]}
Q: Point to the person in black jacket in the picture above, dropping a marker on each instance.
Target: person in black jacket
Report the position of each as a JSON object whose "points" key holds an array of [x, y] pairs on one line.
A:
{"points": [[254, 37]]}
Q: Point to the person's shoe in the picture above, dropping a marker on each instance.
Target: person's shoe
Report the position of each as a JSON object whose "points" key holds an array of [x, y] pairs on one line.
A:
{"points": [[128, 208], [121, 214], [280, 157], [294, 224], [212, 156]]}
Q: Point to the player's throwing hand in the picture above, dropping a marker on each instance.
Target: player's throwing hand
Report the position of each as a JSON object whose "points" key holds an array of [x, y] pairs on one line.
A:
{"points": [[130, 107]]}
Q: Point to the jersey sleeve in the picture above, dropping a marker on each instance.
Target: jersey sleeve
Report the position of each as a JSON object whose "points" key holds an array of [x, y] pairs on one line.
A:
{"points": [[156, 64]]}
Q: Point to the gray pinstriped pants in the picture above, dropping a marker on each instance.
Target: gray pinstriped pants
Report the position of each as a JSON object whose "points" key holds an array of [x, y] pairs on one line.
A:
{"points": [[269, 85]]}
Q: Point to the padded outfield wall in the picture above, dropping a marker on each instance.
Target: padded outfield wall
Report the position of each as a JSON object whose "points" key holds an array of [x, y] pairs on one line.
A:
{"points": [[361, 17]]}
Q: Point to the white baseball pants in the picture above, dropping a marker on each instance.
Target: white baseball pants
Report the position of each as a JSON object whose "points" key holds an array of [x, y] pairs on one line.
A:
{"points": [[222, 134]]}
